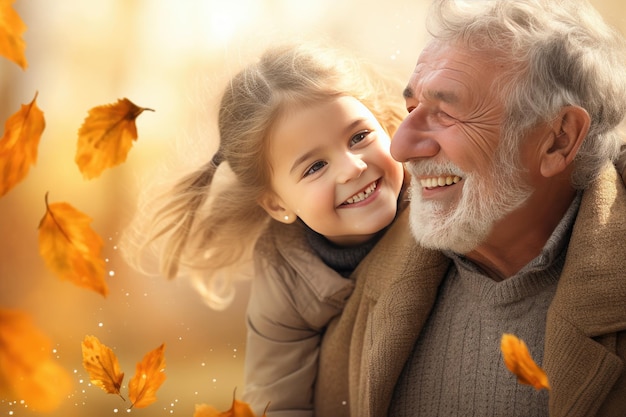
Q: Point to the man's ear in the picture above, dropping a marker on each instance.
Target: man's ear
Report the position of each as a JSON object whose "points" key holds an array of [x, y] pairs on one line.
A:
{"points": [[276, 208], [568, 131]]}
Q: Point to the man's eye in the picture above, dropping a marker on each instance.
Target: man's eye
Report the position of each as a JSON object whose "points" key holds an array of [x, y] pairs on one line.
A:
{"points": [[315, 167], [358, 137], [445, 117]]}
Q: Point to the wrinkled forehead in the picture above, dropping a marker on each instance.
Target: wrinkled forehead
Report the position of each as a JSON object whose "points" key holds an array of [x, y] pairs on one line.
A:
{"points": [[449, 69]]}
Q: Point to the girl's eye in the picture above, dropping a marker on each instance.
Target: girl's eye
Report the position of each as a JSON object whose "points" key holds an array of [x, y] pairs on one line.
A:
{"points": [[358, 137], [315, 167]]}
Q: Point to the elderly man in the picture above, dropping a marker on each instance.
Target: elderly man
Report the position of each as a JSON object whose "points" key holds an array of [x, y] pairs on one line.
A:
{"points": [[520, 220]]}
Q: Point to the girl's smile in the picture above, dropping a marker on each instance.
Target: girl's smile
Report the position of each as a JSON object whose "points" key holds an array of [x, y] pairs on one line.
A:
{"points": [[362, 196]]}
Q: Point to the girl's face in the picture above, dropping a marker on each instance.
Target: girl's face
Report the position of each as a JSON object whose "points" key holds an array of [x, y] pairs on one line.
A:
{"points": [[332, 169]]}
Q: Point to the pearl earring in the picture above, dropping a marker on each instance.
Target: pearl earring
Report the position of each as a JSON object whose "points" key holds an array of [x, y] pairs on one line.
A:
{"points": [[286, 217]]}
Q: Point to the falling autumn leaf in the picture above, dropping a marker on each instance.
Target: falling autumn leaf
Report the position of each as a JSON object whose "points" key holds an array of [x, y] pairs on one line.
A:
{"points": [[106, 136], [237, 409], [27, 370], [149, 375], [12, 46], [102, 365], [70, 248], [18, 146], [518, 360]]}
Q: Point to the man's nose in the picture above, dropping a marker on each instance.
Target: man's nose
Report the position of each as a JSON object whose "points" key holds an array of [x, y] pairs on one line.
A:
{"points": [[352, 167], [413, 139]]}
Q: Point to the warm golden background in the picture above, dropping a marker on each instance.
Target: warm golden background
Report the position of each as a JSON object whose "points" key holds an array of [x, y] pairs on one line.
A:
{"points": [[173, 57]]}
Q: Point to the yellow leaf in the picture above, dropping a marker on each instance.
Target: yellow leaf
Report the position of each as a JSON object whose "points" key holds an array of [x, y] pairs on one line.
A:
{"points": [[27, 370], [12, 46], [18, 146], [70, 248], [149, 375], [102, 365], [106, 136], [237, 409], [518, 360]]}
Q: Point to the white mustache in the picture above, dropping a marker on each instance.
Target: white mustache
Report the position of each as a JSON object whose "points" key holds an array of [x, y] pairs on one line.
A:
{"points": [[432, 168]]}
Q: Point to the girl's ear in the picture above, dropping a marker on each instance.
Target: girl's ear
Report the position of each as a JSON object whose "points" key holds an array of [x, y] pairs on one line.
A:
{"points": [[569, 130], [276, 208]]}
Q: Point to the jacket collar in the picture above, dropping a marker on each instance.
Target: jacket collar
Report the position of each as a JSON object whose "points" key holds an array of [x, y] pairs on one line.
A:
{"points": [[593, 284], [401, 309], [290, 241], [589, 302]]}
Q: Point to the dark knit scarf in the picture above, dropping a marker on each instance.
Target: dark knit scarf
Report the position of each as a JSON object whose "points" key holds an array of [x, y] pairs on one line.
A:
{"points": [[343, 259]]}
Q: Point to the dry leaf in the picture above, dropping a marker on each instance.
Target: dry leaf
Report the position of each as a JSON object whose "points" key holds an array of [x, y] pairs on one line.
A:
{"points": [[12, 46], [518, 360], [106, 136], [149, 375], [27, 370], [102, 365], [70, 248], [237, 409], [18, 146]]}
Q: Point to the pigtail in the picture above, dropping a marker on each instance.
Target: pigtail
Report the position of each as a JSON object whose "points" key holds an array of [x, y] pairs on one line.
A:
{"points": [[177, 217], [164, 221], [223, 245]]}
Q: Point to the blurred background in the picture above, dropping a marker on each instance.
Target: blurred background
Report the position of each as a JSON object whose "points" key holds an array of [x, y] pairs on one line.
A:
{"points": [[173, 57]]}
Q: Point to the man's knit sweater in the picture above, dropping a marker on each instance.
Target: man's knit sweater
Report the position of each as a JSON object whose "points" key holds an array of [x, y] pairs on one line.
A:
{"points": [[457, 358]]}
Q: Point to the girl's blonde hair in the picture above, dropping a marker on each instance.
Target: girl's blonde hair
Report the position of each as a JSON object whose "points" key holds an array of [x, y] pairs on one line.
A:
{"points": [[206, 231]]}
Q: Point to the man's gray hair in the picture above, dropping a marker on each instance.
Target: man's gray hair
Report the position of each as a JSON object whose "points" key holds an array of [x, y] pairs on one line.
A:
{"points": [[549, 54]]}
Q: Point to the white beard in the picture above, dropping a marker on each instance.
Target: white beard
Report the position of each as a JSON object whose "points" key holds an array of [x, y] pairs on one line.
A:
{"points": [[484, 200]]}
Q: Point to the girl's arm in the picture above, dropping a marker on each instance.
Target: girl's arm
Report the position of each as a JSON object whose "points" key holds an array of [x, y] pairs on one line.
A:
{"points": [[293, 297], [280, 373], [282, 346]]}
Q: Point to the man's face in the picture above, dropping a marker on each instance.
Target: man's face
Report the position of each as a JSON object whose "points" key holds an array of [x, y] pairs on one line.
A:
{"points": [[449, 141]]}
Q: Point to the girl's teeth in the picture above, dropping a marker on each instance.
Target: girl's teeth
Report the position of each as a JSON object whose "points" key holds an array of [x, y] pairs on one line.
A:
{"points": [[362, 195]]}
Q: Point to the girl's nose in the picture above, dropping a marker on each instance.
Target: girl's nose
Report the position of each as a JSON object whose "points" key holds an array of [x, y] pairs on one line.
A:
{"points": [[413, 139], [353, 167]]}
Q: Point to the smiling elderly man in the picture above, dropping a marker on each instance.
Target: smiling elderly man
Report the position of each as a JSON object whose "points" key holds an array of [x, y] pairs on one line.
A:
{"points": [[520, 221]]}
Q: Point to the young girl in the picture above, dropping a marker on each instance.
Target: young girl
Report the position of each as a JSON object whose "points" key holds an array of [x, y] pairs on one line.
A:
{"points": [[305, 131]]}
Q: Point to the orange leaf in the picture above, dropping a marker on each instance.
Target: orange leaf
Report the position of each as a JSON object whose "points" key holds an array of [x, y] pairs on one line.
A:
{"points": [[27, 370], [18, 146], [518, 360], [12, 46], [106, 136], [102, 365], [149, 375], [70, 248], [238, 409]]}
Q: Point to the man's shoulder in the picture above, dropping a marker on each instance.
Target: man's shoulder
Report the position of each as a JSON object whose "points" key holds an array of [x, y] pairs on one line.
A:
{"points": [[601, 219], [592, 287]]}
